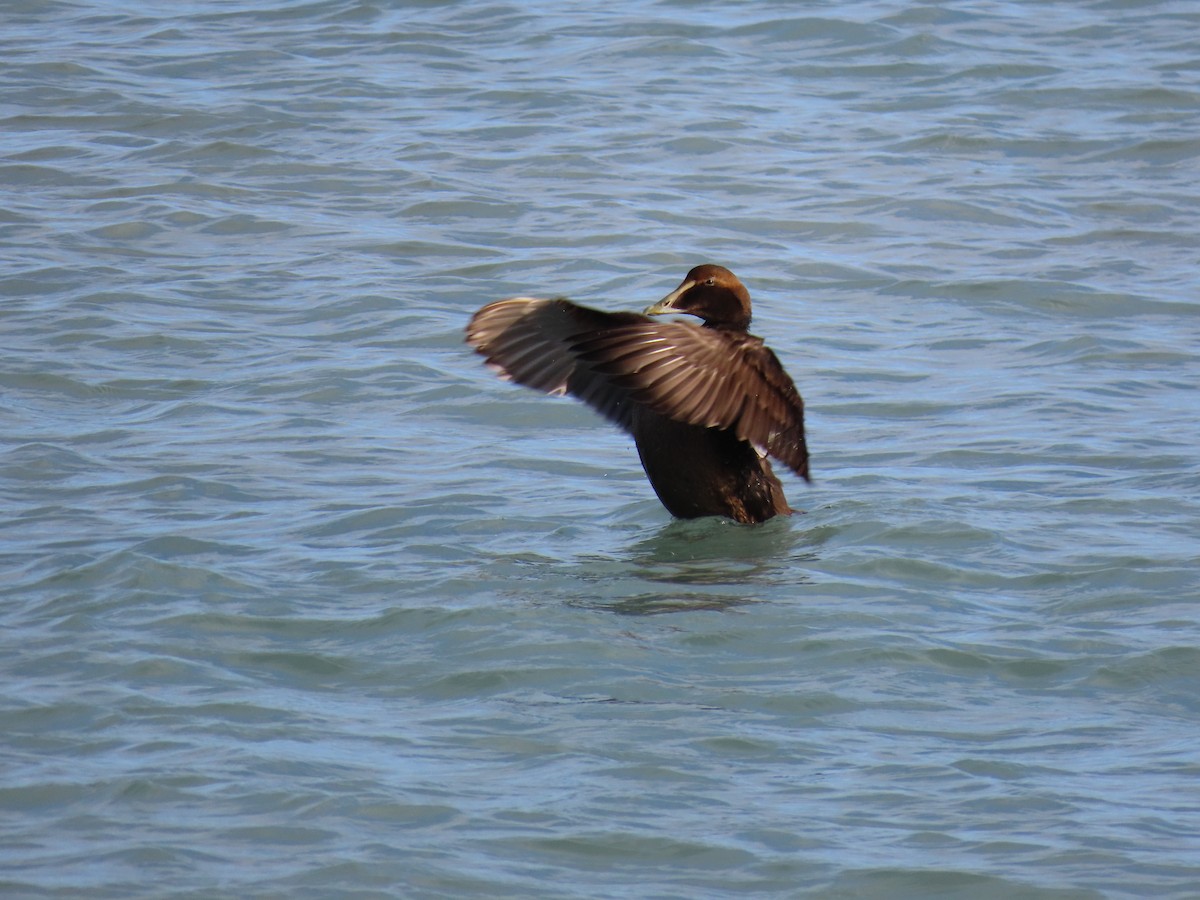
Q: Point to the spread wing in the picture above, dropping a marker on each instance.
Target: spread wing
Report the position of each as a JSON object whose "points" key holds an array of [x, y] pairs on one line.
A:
{"points": [[709, 377], [615, 361], [532, 342]]}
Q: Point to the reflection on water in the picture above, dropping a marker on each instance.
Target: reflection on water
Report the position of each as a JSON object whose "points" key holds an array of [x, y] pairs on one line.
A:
{"points": [[703, 564]]}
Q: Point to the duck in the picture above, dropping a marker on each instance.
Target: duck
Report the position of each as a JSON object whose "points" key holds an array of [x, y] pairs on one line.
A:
{"points": [[707, 403]]}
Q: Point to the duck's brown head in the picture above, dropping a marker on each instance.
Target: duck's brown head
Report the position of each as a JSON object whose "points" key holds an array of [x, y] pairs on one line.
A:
{"points": [[712, 293]]}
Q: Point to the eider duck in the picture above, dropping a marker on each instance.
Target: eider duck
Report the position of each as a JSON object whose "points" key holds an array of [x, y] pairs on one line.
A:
{"points": [[705, 404]]}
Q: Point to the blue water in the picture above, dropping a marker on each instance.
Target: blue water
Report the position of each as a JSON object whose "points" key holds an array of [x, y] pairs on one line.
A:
{"points": [[299, 600]]}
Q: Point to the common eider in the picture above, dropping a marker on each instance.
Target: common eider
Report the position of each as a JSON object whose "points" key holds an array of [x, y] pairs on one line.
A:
{"points": [[705, 404]]}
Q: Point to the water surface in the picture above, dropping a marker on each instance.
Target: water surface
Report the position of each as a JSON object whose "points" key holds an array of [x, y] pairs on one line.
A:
{"points": [[300, 600]]}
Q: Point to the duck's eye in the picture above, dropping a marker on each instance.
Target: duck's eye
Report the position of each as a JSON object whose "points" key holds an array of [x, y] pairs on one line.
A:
{"points": [[711, 282]]}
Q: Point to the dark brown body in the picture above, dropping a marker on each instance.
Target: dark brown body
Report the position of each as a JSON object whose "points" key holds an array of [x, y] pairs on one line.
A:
{"points": [[717, 475]]}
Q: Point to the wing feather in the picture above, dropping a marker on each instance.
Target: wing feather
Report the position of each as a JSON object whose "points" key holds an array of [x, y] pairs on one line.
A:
{"points": [[531, 341]]}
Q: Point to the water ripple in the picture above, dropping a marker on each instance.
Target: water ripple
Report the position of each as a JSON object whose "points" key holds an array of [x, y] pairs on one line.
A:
{"points": [[301, 599]]}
